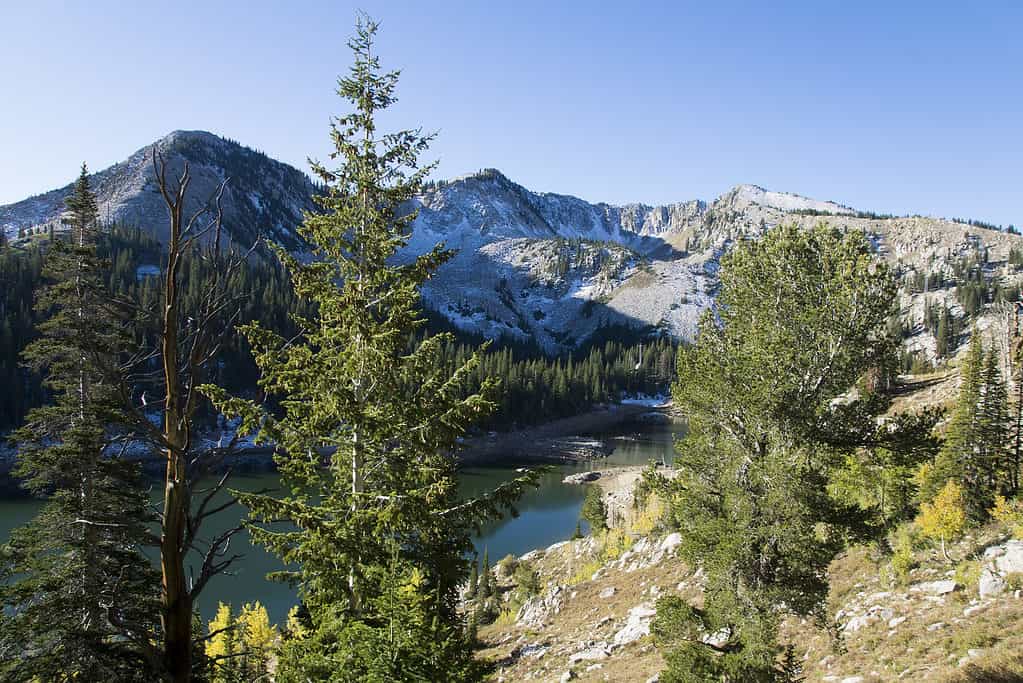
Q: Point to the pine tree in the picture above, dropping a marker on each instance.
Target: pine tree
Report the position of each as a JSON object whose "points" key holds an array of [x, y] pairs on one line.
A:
{"points": [[486, 584], [943, 334], [368, 423], [82, 598], [801, 320]]}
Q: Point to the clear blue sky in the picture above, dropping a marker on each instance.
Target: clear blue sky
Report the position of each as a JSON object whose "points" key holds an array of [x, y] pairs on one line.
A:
{"points": [[890, 106]]}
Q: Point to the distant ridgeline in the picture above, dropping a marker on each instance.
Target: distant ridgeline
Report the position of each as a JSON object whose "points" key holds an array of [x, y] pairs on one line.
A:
{"points": [[534, 387]]}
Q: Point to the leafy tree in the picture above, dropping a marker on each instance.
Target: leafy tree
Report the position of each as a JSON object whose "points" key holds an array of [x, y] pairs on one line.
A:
{"points": [[222, 648], [368, 423], [943, 519], [239, 648], [79, 594], [1009, 513], [767, 392], [594, 511]]}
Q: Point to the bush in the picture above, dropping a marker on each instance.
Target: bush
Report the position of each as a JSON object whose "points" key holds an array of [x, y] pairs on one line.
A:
{"points": [[903, 544], [507, 565], [1009, 513]]}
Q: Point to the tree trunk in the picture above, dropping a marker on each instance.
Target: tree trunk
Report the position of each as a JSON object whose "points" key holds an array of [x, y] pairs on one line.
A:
{"points": [[176, 617]]}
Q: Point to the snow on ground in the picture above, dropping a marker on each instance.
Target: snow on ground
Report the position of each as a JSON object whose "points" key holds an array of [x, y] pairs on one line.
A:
{"points": [[147, 270], [658, 401], [786, 201]]}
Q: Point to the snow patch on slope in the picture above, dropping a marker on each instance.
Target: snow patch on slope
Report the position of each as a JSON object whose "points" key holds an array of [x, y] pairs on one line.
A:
{"points": [[786, 201]]}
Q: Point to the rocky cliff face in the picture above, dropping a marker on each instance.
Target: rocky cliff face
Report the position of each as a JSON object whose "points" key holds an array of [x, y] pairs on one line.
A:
{"points": [[545, 267]]}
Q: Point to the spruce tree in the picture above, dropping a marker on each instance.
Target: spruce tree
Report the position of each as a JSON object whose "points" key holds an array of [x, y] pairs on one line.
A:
{"points": [[975, 452], [994, 426], [81, 597], [369, 422]]}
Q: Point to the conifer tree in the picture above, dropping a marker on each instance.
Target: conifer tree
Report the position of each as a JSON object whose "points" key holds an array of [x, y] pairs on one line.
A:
{"points": [[975, 452], [81, 597], [994, 428], [594, 511], [474, 580], [802, 318], [368, 425]]}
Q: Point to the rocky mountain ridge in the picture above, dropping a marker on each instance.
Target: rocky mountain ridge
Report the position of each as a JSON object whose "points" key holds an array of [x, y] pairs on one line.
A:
{"points": [[549, 268]]}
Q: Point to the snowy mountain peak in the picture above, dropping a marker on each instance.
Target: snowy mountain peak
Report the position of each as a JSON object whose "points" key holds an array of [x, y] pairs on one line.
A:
{"points": [[785, 201]]}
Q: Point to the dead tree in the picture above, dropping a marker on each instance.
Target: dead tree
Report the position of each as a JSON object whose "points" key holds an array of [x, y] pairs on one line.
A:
{"points": [[189, 341]]}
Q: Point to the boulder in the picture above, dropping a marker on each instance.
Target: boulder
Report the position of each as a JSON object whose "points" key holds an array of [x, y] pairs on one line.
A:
{"points": [[935, 587], [671, 541], [592, 653], [581, 478], [1001, 560], [637, 625], [991, 584], [539, 609]]}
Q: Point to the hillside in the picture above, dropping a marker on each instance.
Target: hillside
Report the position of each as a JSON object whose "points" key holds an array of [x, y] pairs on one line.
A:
{"points": [[591, 618]]}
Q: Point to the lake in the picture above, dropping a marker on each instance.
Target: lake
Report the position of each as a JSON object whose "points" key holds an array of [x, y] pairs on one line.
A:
{"points": [[546, 515]]}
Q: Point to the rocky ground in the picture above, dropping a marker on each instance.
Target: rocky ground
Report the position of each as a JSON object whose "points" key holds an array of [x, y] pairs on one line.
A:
{"points": [[591, 619]]}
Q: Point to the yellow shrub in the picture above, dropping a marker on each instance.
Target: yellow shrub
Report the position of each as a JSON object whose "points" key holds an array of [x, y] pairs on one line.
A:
{"points": [[944, 518], [648, 519], [585, 572], [616, 542], [1009, 513]]}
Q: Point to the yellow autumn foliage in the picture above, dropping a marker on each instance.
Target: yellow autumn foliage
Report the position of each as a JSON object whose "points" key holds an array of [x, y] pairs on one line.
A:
{"points": [[945, 517]]}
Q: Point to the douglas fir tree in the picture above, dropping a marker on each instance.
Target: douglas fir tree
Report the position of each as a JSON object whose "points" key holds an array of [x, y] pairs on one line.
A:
{"points": [[369, 421]]}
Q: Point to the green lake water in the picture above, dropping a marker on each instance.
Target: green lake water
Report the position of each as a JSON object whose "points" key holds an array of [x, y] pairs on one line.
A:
{"points": [[546, 515]]}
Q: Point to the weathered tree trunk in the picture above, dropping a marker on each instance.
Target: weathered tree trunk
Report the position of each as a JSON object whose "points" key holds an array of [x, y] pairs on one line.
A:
{"points": [[177, 603]]}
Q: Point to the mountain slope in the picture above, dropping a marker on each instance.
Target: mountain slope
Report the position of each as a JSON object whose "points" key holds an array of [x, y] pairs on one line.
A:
{"points": [[548, 268], [263, 196]]}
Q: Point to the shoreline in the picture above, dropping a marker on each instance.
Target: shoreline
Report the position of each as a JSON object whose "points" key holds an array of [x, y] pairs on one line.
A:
{"points": [[556, 442], [562, 441]]}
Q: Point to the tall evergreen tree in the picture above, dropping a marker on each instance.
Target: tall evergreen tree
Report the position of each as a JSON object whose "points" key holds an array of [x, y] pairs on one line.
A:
{"points": [[368, 425], [802, 319], [975, 453], [994, 430], [81, 599]]}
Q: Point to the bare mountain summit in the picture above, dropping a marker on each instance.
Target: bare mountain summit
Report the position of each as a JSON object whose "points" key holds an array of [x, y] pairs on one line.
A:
{"points": [[262, 197]]}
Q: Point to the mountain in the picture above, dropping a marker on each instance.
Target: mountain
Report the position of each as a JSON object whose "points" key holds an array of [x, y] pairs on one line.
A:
{"points": [[555, 269], [263, 196]]}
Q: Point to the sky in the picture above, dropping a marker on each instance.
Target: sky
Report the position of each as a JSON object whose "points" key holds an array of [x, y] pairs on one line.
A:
{"points": [[907, 107]]}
